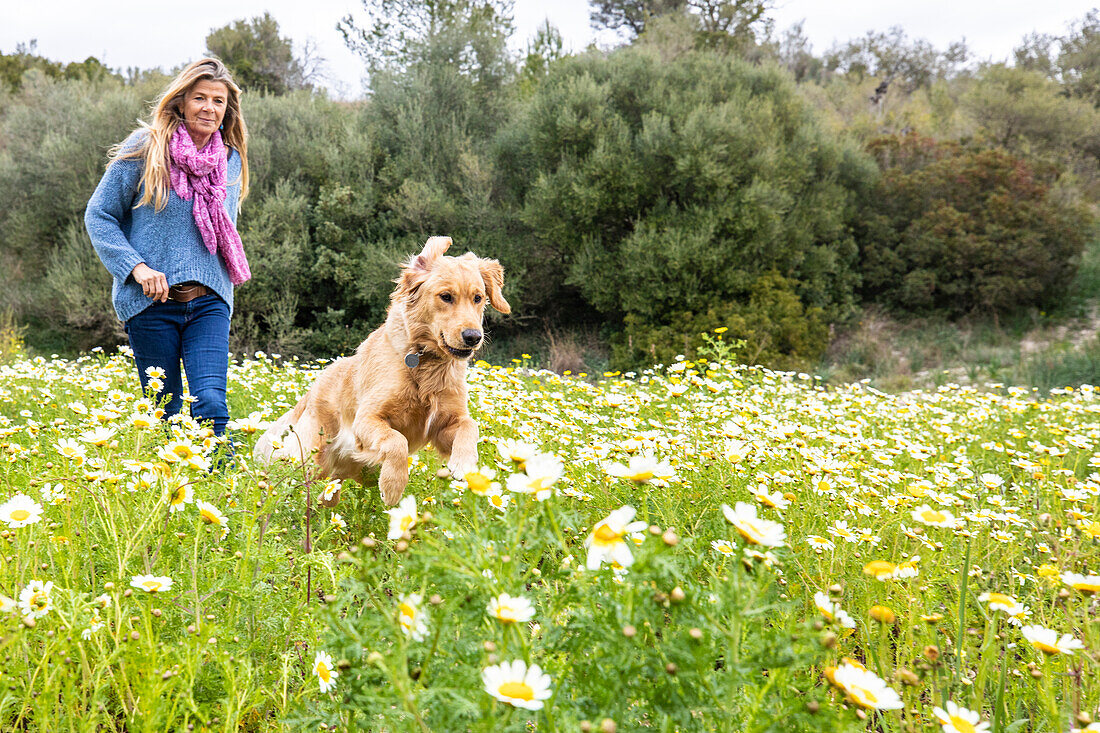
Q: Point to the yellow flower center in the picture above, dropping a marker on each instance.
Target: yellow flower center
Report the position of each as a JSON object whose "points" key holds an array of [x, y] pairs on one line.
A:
{"points": [[863, 697], [879, 567], [39, 600], [962, 725], [1087, 587], [1046, 648], [478, 482], [209, 517], [178, 496], [1001, 598], [606, 536], [518, 690], [407, 610], [506, 614], [323, 672], [932, 516], [19, 515], [497, 500], [407, 521], [642, 476], [151, 585]]}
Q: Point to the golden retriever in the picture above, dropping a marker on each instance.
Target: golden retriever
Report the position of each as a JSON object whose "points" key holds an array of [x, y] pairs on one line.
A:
{"points": [[405, 386]]}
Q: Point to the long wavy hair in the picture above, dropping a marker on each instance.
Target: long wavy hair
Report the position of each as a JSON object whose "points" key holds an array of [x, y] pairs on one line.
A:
{"points": [[168, 115]]}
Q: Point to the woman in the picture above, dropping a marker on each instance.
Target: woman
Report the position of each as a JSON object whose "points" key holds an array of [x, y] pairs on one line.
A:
{"points": [[163, 222]]}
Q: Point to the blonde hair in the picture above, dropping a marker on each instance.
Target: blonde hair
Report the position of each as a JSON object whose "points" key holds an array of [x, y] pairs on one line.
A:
{"points": [[168, 115]]}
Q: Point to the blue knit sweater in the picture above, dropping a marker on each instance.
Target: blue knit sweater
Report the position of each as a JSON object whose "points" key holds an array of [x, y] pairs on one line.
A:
{"points": [[167, 240]]}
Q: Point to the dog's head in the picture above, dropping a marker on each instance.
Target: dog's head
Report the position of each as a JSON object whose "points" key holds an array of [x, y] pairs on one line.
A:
{"points": [[445, 297]]}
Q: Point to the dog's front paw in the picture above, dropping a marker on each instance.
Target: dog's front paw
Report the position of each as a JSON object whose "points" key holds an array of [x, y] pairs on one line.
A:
{"points": [[392, 487], [459, 466]]}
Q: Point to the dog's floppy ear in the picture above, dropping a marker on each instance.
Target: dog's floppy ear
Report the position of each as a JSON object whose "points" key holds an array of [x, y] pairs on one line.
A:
{"points": [[415, 270], [493, 274]]}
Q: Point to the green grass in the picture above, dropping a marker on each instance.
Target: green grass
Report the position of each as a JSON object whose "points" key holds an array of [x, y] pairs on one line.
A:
{"points": [[690, 636]]}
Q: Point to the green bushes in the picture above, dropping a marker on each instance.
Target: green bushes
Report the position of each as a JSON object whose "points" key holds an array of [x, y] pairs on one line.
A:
{"points": [[955, 231], [661, 191], [650, 193], [775, 326]]}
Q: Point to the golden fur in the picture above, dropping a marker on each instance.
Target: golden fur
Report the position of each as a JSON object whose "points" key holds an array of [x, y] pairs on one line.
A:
{"points": [[371, 409]]}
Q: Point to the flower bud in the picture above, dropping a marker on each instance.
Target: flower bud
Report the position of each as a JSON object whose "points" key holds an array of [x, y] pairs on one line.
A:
{"points": [[629, 631]]}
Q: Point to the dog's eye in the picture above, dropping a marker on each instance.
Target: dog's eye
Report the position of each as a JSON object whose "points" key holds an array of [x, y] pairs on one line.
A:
{"points": [[477, 298], [446, 297]]}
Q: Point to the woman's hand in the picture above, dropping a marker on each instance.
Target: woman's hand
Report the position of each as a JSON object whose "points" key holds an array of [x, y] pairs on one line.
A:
{"points": [[154, 284]]}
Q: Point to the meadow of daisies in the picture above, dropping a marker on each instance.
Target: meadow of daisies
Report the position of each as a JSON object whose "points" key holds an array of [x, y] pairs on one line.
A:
{"points": [[699, 546]]}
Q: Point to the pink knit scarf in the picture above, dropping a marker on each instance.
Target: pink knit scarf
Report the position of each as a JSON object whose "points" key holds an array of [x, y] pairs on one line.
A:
{"points": [[202, 174]]}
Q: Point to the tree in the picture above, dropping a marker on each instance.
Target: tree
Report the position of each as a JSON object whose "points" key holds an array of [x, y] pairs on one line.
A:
{"points": [[1027, 113], [261, 59], [544, 49], [1079, 58], [631, 15], [25, 58], [470, 36], [729, 23], [653, 186], [722, 23], [955, 231], [892, 56]]}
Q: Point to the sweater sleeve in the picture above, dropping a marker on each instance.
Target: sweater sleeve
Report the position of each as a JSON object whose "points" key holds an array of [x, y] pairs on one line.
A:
{"points": [[107, 209]]}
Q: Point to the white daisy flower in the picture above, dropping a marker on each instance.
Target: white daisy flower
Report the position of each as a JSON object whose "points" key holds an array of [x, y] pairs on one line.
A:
{"points": [[511, 609], [19, 511], [517, 684]]}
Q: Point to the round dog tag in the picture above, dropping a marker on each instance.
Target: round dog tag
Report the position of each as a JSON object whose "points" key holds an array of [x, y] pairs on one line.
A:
{"points": [[411, 360]]}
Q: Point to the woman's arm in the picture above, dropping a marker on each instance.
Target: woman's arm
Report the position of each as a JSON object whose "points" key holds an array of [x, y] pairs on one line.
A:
{"points": [[108, 207]]}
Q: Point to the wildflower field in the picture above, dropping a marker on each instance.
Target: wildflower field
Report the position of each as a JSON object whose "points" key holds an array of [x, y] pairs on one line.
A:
{"points": [[700, 546]]}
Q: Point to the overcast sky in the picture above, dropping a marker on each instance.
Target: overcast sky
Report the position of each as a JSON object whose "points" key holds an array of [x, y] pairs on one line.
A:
{"points": [[124, 33]]}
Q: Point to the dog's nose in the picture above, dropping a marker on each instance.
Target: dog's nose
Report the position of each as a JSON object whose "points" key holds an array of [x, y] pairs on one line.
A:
{"points": [[471, 336]]}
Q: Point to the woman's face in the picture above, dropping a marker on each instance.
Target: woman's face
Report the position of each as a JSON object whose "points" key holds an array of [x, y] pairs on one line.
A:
{"points": [[204, 107]]}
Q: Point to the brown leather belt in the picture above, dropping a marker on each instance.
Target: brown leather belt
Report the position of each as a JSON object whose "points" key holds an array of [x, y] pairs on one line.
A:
{"points": [[187, 291]]}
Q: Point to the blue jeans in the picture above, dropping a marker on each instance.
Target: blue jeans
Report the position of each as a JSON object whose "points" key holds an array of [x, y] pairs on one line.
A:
{"points": [[196, 332]]}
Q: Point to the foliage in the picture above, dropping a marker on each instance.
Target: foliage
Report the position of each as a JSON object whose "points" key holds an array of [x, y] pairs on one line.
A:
{"points": [[631, 16], [1026, 113], [12, 345], [14, 66], [657, 187], [956, 231], [893, 56], [469, 36], [773, 327], [258, 57]]}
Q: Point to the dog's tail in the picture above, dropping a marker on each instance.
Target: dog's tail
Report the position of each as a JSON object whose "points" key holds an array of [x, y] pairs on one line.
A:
{"points": [[278, 440]]}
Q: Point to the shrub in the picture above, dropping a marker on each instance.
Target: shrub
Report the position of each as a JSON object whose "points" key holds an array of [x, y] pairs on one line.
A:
{"points": [[657, 190], [774, 326], [954, 231]]}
